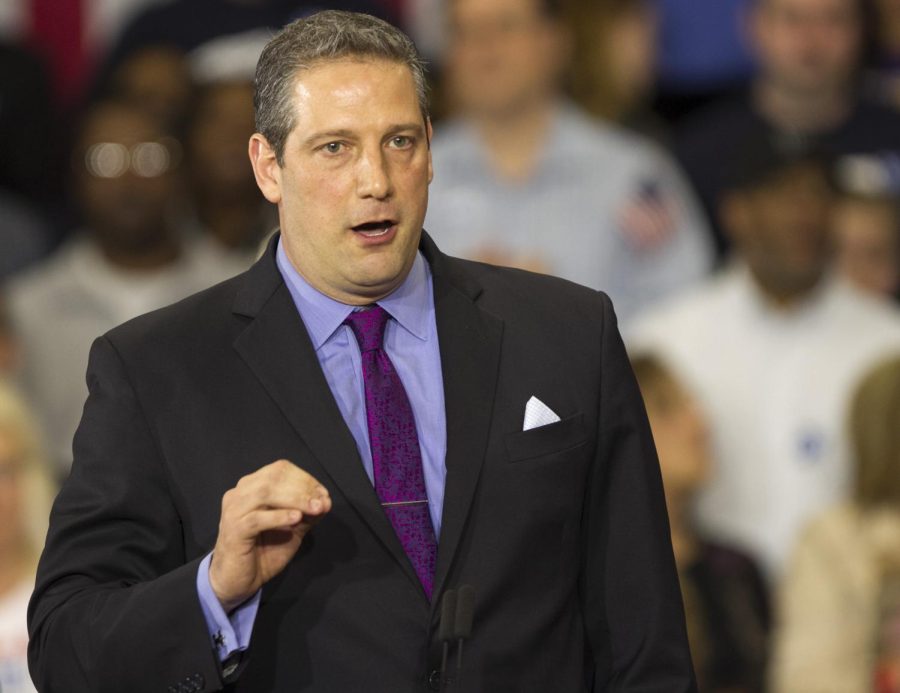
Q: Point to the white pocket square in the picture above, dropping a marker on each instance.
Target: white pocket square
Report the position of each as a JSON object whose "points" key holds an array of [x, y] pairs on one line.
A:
{"points": [[538, 414]]}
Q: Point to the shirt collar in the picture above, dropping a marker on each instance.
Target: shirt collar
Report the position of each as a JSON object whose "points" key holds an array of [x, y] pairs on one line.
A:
{"points": [[410, 304]]}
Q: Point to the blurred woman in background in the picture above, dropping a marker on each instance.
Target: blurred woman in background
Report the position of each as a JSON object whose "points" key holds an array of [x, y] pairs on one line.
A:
{"points": [[839, 611], [25, 493], [725, 597]]}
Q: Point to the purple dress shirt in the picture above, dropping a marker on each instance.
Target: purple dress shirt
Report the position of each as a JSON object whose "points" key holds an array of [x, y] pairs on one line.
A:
{"points": [[411, 342]]}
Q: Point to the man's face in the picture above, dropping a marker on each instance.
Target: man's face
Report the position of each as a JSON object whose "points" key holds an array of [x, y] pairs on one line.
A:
{"points": [[218, 138], [353, 189], [125, 182], [781, 229], [502, 54], [867, 239], [807, 45]]}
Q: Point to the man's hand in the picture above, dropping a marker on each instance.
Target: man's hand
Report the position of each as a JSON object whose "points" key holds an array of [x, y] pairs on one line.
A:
{"points": [[264, 519]]}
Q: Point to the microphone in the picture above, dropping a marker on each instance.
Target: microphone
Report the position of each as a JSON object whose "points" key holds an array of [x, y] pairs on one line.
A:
{"points": [[447, 632], [457, 609], [462, 623]]}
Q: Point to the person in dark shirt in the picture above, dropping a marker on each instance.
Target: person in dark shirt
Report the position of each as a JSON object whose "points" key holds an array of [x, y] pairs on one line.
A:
{"points": [[807, 90]]}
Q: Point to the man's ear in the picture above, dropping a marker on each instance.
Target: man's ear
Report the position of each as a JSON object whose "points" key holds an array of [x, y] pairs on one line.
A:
{"points": [[266, 168], [428, 134]]}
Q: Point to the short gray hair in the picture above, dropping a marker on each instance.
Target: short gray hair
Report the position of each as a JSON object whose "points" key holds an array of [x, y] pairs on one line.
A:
{"points": [[323, 36]]}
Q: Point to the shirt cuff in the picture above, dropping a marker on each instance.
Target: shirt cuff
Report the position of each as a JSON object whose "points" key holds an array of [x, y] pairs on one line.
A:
{"points": [[228, 634]]}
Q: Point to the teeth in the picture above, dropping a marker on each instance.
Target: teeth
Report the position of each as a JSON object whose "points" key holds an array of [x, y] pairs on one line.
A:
{"points": [[373, 234]]}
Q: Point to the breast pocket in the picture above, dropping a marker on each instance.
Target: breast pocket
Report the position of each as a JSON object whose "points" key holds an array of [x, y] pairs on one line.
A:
{"points": [[542, 441]]}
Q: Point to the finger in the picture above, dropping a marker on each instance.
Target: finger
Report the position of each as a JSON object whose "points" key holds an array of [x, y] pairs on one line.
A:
{"points": [[255, 523], [280, 485], [318, 506]]}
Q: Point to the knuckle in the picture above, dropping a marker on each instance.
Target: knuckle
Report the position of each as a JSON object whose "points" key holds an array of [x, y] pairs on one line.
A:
{"points": [[282, 466]]}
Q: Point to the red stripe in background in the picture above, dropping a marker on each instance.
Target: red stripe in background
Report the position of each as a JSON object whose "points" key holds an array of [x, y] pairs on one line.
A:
{"points": [[56, 31]]}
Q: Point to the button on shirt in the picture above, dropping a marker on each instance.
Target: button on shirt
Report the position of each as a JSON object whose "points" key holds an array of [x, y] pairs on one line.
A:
{"points": [[411, 342]]}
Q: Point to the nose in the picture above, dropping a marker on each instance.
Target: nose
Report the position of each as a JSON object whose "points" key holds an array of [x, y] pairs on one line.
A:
{"points": [[373, 176]]}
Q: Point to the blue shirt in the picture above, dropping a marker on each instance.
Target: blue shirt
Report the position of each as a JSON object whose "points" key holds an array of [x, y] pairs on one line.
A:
{"points": [[574, 216], [411, 342]]}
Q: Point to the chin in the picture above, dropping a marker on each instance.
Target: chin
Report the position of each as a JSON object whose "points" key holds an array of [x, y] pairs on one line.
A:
{"points": [[379, 284]]}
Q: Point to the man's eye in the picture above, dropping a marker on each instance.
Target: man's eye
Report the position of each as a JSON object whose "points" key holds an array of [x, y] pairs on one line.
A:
{"points": [[333, 147], [401, 141]]}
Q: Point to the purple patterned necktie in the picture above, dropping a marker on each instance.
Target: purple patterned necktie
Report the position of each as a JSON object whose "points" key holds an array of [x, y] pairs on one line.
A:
{"points": [[396, 459]]}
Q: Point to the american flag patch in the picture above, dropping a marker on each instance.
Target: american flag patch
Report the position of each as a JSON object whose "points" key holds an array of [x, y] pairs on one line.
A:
{"points": [[648, 218]]}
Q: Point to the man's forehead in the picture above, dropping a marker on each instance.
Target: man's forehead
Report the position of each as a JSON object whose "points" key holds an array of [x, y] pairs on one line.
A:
{"points": [[350, 66], [119, 122], [359, 91]]}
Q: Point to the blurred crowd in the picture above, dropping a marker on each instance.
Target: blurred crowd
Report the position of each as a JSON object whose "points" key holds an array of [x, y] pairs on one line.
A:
{"points": [[727, 170]]}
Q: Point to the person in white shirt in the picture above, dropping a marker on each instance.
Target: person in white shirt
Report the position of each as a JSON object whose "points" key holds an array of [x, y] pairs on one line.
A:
{"points": [[773, 346], [129, 258]]}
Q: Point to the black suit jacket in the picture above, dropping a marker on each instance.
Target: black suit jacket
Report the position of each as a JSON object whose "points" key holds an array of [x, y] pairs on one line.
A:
{"points": [[561, 529]]}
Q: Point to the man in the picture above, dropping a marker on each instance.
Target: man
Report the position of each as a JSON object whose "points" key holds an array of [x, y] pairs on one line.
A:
{"points": [[410, 469], [230, 214], [127, 259], [806, 89], [526, 179], [773, 348], [866, 227]]}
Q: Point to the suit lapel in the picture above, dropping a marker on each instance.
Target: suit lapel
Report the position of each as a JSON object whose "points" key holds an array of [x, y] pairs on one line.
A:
{"points": [[277, 348], [470, 341]]}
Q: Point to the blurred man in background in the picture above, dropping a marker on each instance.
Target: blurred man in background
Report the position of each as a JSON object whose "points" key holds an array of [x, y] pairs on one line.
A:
{"points": [[128, 259], [228, 213], [525, 179], [809, 54], [867, 239], [772, 347]]}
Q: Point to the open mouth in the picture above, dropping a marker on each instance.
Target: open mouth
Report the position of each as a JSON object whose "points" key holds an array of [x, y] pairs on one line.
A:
{"points": [[373, 229]]}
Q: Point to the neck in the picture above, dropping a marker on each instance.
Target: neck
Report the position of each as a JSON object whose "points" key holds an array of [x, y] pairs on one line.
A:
{"points": [[515, 138], [784, 298], [161, 255], [794, 111]]}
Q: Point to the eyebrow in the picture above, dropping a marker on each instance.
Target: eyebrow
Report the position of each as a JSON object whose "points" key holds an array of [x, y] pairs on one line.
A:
{"points": [[349, 134]]}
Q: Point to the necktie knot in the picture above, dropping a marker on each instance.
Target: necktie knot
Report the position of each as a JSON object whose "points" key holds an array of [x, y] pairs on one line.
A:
{"points": [[368, 327]]}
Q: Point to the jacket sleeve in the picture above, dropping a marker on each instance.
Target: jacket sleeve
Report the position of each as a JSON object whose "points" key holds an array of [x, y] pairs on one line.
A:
{"points": [[629, 586], [115, 606]]}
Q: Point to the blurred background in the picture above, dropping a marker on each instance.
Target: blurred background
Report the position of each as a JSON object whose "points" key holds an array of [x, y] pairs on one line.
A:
{"points": [[727, 170]]}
